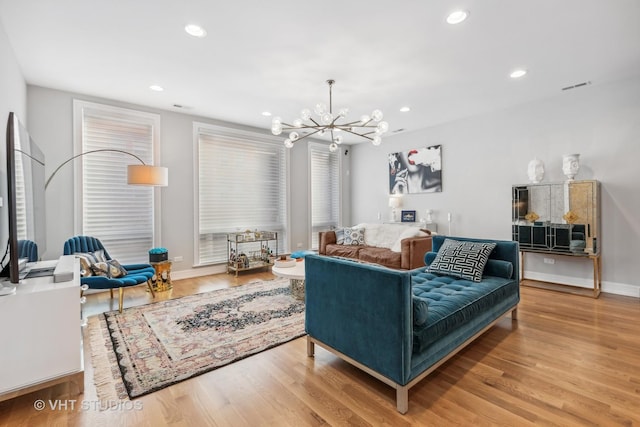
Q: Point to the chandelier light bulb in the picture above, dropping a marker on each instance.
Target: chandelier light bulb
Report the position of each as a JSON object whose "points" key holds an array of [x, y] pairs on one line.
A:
{"points": [[327, 118], [277, 120], [297, 123], [376, 140], [365, 119], [322, 132], [343, 112], [338, 139], [376, 115], [294, 136], [305, 114], [333, 147], [382, 127], [320, 108], [288, 143], [276, 129]]}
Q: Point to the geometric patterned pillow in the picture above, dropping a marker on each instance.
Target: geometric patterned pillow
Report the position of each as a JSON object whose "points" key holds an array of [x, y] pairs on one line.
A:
{"points": [[87, 260], [465, 260], [85, 266], [353, 236], [111, 269]]}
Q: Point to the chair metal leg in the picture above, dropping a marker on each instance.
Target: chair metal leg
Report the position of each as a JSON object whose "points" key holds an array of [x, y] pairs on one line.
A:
{"points": [[121, 299]]}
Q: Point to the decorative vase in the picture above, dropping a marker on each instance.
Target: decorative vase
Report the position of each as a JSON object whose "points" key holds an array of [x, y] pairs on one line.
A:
{"points": [[429, 219], [535, 170], [571, 165]]}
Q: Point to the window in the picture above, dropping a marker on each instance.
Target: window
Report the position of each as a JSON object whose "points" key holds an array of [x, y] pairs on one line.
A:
{"points": [[241, 183], [124, 217], [21, 197], [324, 183]]}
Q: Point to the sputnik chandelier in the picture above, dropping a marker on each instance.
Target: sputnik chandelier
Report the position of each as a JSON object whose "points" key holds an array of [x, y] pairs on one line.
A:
{"points": [[369, 127]]}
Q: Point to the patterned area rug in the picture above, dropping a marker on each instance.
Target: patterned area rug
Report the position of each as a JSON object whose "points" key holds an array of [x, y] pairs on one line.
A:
{"points": [[146, 348]]}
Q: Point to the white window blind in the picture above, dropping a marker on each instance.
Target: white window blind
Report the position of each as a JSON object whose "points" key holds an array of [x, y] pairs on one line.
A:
{"points": [[120, 215], [21, 197], [242, 184], [324, 179]]}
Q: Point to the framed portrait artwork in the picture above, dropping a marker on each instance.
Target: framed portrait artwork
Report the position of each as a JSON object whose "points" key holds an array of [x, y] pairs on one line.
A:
{"points": [[416, 171]]}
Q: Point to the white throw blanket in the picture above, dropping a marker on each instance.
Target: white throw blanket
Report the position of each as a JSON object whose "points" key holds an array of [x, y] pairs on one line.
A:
{"points": [[388, 235]]}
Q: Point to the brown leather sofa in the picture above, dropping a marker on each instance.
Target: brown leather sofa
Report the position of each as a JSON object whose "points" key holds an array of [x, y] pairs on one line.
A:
{"points": [[411, 255]]}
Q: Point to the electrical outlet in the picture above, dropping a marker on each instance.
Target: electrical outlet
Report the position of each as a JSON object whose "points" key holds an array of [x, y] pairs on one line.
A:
{"points": [[178, 259], [549, 261]]}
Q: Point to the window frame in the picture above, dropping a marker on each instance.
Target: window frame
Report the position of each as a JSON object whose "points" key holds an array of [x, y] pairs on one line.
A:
{"points": [[79, 107], [233, 133], [315, 146]]}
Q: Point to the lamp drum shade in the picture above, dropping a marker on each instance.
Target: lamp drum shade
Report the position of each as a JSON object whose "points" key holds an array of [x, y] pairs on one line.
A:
{"points": [[395, 202], [147, 175]]}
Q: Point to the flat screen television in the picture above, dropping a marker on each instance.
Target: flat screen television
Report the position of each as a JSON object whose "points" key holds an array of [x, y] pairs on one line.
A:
{"points": [[26, 197]]}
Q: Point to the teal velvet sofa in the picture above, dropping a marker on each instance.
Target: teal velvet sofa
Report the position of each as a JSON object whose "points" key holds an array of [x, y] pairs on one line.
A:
{"points": [[399, 326]]}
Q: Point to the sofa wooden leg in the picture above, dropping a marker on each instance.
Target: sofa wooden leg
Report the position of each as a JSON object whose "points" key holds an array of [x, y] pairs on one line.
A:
{"points": [[402, 399], [514, 314], [111, 292], [310, 347]]}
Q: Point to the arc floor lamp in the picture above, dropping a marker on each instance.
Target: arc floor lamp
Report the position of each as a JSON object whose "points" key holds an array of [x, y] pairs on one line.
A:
{"points": [[142, 174]]}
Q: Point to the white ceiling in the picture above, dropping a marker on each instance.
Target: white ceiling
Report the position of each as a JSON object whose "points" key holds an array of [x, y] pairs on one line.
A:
{"points": [[277, 55]]}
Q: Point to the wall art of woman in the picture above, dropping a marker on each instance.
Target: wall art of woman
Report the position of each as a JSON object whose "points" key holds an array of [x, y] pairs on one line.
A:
{"points": [[416, 171]]}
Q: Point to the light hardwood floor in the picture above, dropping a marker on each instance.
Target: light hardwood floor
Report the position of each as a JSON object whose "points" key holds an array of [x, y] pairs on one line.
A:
{"points": [[567, 360]]}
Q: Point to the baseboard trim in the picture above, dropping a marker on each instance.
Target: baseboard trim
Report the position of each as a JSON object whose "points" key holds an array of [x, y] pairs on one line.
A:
{"points": [[607, 286], [198, 272]]}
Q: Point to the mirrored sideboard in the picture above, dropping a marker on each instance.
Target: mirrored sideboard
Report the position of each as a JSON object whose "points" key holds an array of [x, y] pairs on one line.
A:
{"points": [[559, 218]]}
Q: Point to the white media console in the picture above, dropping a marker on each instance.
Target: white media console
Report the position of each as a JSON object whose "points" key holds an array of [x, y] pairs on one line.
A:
{"points": [[40, 333]]}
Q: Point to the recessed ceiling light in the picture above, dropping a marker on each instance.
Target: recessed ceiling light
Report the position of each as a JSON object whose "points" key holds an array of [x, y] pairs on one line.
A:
{"points": [[457, 17], [195, 30], [266, 113], [405, 109], [156, 88], [516, 74]]}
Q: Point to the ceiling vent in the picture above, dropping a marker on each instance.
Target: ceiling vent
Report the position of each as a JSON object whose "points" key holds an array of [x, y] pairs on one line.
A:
{"points": [[577, 85]]}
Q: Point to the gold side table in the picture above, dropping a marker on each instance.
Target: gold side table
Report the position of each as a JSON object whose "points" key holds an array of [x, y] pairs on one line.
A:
{"points": [[162, 277]]}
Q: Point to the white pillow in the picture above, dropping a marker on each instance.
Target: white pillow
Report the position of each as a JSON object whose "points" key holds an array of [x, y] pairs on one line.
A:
{"points": [[408, 232]]}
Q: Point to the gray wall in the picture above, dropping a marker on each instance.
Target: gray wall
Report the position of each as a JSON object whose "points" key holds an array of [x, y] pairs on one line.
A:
{"points": [[13, 98], [51, 126], [483, 156]]}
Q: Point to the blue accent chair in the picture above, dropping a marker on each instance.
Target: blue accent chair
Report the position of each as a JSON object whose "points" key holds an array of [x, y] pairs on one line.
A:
{"points": [[137, 274], [28, 249]]}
